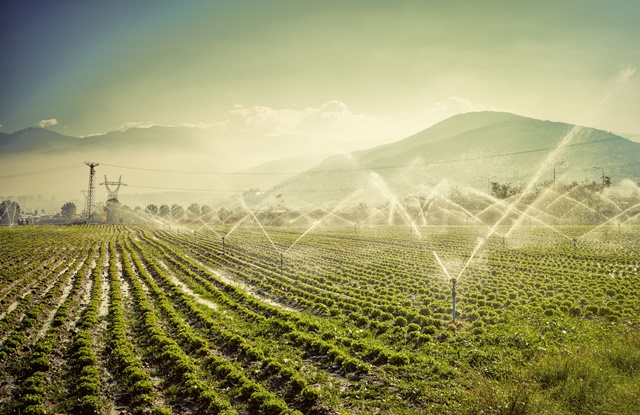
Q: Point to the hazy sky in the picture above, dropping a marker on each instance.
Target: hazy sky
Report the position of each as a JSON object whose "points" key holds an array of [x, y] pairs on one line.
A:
{"points": [[356, 69]]}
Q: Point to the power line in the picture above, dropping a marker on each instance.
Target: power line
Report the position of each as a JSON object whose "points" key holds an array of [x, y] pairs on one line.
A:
{"points": [[354, 169], [362, 168], [182, 189], [209, 173], [42, 171]]}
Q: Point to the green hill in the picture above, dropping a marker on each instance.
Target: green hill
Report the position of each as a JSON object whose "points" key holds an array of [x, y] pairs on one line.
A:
{"points": [[471, 150]]}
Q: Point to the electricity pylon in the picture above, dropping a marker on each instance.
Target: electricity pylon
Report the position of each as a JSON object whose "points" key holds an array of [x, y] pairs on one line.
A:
{"points": [[89, 201], [113, 193]]}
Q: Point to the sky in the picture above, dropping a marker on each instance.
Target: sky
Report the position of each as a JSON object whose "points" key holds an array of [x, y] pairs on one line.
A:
{"points": [[364, 71]]}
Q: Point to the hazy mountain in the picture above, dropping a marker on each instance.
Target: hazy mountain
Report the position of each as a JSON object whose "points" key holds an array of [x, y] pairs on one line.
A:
{"points": [[226, 151], [267, 175], [154, 159], [471, 149], [631, 136], [35, 140], [221, 187]]}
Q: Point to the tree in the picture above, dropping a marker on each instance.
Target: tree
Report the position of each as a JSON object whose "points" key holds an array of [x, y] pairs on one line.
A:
{"points": [[9, 212], [207, 213], [194, 210], [505, 190], [280, 203], [223, 214], [114, 211], [362, 211], [164, 211], [68, 211], [152, 209], [177, 211]]}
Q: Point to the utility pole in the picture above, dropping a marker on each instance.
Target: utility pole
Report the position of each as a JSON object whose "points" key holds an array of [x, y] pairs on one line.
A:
{"points": [[89, 201], [560, 163]]}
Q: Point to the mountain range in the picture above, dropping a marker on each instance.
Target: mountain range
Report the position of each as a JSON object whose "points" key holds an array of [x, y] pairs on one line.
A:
{"points": [[471, 149], [227, 151]]}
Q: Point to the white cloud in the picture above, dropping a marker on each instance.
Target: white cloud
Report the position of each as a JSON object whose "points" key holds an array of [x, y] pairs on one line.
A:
{"points": [[47, 123], [333, 118], [147, 124], [202, 125], [136, 124], [91, 135]]}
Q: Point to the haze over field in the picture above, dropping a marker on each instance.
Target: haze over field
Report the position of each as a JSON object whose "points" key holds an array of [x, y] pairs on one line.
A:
{"points": [[174, 97]]}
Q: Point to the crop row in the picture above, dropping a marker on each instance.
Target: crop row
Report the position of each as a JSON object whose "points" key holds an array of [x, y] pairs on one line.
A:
{"points": [[33, 386], [298, 327], [243, 388], [83, 372]]}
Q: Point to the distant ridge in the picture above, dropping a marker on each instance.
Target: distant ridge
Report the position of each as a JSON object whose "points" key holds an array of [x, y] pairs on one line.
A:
{"points": [[472, 149], [223, 147], [34, 139]]}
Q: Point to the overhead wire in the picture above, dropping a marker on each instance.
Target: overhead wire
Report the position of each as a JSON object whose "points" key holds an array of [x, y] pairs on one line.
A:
{"points": [[322, 171], [41, 171]]}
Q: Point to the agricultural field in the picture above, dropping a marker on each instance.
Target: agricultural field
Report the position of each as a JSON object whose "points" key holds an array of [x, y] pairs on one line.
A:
{"points": [[103, 319]]}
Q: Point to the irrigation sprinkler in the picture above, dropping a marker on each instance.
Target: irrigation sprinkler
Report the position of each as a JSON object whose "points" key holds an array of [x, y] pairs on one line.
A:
{"points": [[453, 301], [195, 236], [281, 263], [223, 247], [575, 245], [453, 288]]}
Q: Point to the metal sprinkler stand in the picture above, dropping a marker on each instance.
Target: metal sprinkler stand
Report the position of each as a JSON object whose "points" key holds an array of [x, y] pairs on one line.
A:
{"points": [[281, 264], [575, 244], [223, 247], [453, 301]]}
